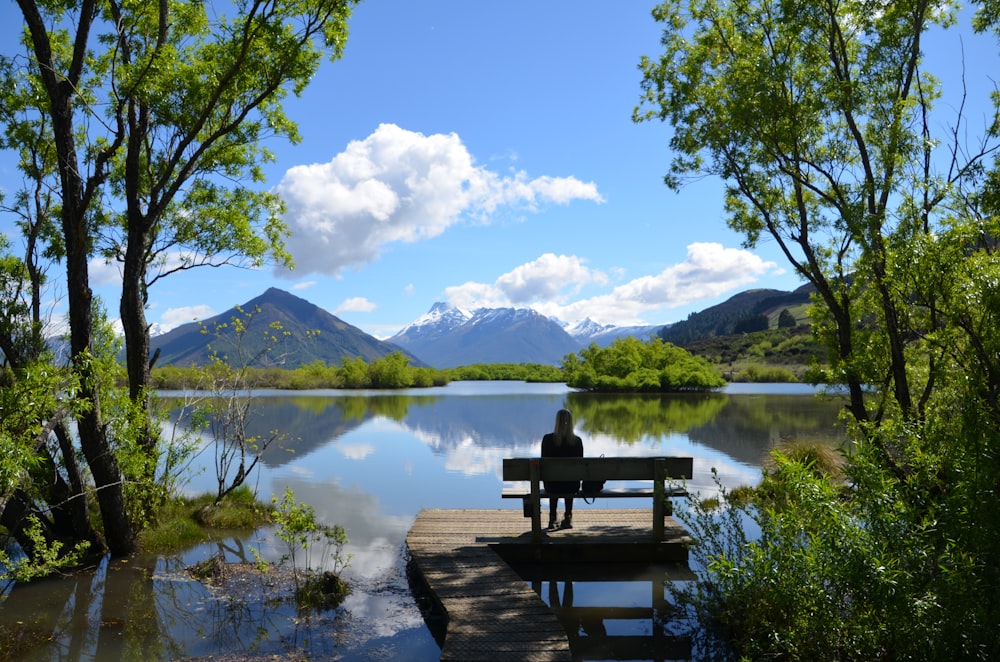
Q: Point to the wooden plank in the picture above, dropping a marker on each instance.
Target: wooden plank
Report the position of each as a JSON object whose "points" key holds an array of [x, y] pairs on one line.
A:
{"points": [[596, 468], [492, 613]]}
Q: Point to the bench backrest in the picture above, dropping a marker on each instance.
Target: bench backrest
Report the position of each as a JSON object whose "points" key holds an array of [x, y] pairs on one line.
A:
{"points": [[597, 468]]}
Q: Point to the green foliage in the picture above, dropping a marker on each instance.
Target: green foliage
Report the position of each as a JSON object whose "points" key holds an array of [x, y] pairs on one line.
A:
{"points": [[139, 130], [786, 320], [820, 118], [751, 324], [390, 372], [762, 374], [794, 349], [630, 365], [528, 372], [354, 373], [48, 556], [720, 320], [298, 529], [230, 384], [28, 397]]}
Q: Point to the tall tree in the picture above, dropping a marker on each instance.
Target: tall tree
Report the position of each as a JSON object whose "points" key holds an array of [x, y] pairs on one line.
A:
{"points": [[817, 116], [156, 113]]}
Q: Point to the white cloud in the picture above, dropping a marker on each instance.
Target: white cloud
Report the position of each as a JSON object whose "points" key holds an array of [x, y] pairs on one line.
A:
{"points": [[471, 295], [709, 271], [174, 317], [305, 285], [400, 186], [355, 305], [356, 451], [102, 272], [547, 277]]}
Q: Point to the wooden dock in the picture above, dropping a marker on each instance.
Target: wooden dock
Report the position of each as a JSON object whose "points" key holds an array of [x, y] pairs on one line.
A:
{"points": [[465, 558]]}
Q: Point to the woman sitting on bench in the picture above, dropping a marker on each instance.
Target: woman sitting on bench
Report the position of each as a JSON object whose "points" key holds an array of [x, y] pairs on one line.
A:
{"points": [[562, 442]]}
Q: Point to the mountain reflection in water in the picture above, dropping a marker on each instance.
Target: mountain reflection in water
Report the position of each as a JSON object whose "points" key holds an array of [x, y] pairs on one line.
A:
{"points": [[370, 461]]}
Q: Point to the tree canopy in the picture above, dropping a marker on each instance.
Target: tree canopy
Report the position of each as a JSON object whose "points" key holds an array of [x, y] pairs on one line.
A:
{"points": [[139, 128], [821, 120]]}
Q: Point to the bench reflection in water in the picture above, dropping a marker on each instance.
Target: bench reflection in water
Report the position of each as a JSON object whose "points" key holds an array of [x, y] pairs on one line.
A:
{"points": [[613, 612]]}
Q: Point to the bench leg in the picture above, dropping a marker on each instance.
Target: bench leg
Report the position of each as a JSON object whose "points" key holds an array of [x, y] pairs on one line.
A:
{"points": [[659, 496], [536, 505]]}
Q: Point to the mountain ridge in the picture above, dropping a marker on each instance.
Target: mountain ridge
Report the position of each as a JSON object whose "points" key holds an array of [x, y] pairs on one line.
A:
{"points": [[315, 335], [448, 336]]}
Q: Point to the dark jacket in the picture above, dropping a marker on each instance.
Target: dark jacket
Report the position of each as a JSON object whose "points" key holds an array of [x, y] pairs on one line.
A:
{"points": [[551, 449]]}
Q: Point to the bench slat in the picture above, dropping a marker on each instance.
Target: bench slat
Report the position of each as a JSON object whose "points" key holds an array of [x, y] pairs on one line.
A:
{"points": [[596, 468], [607, 492]]}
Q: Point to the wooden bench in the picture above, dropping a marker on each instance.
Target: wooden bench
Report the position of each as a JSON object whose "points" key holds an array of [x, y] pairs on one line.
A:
{"points": [[536, 470]]}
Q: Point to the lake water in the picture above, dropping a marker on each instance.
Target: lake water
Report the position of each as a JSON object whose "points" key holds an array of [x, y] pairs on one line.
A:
{"points": [[370, 461]]}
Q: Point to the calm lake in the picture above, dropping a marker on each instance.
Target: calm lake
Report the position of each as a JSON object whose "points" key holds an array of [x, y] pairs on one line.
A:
{"points": [[370, 461]]}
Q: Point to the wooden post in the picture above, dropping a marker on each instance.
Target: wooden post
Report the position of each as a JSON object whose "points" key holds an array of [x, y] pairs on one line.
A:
{"points": [[536, 502], [659, 476]]}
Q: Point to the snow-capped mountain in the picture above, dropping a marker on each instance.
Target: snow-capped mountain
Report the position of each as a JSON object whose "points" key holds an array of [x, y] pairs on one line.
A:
{"points": [[587, 331], [440, 320], [447, 336], [586, 328]]}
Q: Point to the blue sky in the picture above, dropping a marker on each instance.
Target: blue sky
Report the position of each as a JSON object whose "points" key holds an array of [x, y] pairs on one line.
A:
{"points": [[483, 153]]}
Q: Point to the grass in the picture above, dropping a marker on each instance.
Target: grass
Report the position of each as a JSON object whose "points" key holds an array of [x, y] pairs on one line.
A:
{"points": [[823, 459], [187, 521]]}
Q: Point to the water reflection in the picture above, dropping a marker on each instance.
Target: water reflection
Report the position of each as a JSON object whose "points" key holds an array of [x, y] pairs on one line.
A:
{"points": [[371, 461], [613, 612], [473, 429]]}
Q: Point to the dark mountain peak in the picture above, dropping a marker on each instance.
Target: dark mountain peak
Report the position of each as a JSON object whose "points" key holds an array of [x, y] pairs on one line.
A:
{"points": [[315, 334]]}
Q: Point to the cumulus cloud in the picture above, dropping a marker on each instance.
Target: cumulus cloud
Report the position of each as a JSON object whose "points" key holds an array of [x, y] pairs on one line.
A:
{"points": [[471, 295], [355, 305], [400, 186], [709, 271], [102, 272], [174, 317], [547, 278]]}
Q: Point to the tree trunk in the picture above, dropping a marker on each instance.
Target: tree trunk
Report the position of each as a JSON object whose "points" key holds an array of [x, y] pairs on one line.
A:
{"points": [[92, 429]]}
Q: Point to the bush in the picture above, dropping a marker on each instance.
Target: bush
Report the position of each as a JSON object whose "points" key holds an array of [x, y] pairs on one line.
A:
{"points": [[762, 374], [630, 365]]}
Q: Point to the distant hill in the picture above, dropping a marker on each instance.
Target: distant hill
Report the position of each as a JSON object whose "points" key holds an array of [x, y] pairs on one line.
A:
{"points": [[315, 335], [448, 337], [722, 319]]}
